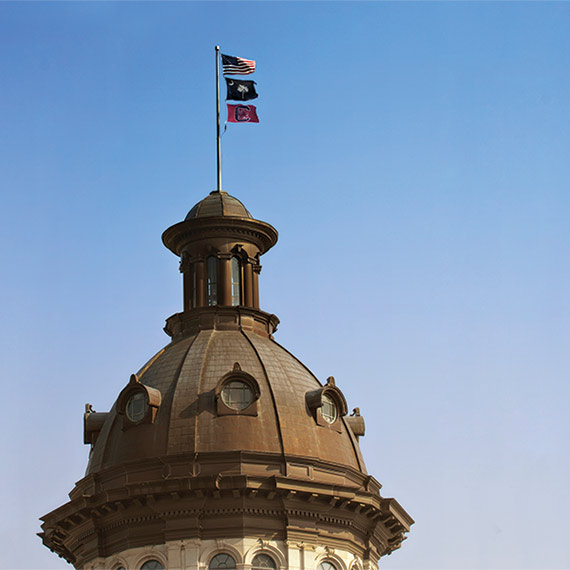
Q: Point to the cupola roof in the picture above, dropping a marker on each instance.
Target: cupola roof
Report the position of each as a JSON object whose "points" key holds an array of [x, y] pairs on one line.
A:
{"points": [[218, 204]]}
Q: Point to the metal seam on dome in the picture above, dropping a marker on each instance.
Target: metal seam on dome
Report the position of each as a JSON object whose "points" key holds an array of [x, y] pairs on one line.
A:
{"points": [[204, 360], [175, 385], [358, 456], [298, 361], [352, 438], [270, 391], [198, 206], [141, 372], [276, 362], [106, 447]]}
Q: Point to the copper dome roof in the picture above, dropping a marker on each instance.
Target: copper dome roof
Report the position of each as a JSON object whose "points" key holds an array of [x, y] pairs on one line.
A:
{"points": [[176, 458], [187, 372], [218, 204]]}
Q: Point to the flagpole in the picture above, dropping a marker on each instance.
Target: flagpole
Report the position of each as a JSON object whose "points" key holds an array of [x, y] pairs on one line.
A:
{"points": [[218, 141]]}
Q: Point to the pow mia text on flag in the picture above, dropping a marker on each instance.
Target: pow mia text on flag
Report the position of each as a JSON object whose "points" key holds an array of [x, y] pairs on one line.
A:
{"points": [[237, 65], [240, 90], [242, 114]]}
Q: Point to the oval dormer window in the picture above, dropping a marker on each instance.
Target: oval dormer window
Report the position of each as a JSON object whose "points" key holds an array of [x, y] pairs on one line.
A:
{"points": [[137, 407], [329, 410], [237, 395]]}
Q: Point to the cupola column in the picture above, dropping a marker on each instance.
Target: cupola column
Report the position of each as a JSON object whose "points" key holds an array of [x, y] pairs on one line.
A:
{"points": [[248, 283], [186, 270], [225, 281], [200, 283], [256, 271], [188, 289]]}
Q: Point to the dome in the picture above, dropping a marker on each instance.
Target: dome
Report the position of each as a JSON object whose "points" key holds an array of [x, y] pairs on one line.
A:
{"points": [[218, 204], [224, 441], [187, 373]]}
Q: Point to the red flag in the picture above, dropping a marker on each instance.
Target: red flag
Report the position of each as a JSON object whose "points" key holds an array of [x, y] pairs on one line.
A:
{"points": [[242, 114]]}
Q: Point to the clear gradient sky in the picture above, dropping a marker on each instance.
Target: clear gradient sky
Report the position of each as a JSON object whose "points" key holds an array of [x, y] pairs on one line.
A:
{"points": [[414, 158]]}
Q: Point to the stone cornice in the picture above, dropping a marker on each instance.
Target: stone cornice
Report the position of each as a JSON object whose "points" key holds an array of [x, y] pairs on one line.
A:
{"points": [[124, 504], [178, 236]]}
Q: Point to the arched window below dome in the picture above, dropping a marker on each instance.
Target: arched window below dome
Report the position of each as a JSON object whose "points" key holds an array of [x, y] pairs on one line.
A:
{"points": [[236, 282], [212, 280], [263, 562], [326, 565], [152, 565], [222, 562]]}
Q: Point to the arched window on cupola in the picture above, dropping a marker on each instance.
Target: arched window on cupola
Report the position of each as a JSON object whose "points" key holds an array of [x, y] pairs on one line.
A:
{"points": [[212, 280], [236, 282]]}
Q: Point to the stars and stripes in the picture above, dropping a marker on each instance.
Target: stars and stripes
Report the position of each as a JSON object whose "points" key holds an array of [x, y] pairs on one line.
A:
{"points": [[237, 65]]}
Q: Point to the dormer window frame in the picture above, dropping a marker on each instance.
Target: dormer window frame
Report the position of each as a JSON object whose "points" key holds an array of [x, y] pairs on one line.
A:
{"points": [[236, 375], [328, 396], [134, 389]]}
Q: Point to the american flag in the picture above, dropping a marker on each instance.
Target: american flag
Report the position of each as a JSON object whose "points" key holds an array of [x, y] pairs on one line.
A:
{"points": [[237, 65]]}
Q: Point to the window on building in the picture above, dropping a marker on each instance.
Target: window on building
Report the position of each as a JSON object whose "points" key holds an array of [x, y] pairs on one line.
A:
{"points": [[237, 395], [152, 565], [263, 562], [222, 561], [212, 281], [137, 407], [329, 413], [326, 565], [236, 282]]}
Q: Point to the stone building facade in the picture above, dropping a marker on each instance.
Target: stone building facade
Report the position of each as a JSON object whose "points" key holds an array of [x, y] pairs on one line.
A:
{"points": [[224, 451]]}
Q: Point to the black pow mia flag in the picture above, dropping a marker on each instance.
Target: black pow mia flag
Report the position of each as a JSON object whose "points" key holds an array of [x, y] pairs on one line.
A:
{"points": [[240, 90]]}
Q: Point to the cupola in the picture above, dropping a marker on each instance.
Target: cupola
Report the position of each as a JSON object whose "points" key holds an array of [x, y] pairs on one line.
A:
{"points": [[219, 244]]}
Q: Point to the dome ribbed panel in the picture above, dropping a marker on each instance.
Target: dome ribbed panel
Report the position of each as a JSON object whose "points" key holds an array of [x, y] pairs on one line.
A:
{"points": [[186, 400], [233, 207], [230, 433], [115, 445], [290, 381]]}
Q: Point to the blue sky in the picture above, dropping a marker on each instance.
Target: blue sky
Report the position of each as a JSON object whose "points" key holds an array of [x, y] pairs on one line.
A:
{"points": [[414, 158]]}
